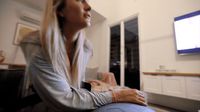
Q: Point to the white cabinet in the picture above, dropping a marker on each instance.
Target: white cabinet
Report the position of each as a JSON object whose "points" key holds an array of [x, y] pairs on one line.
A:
{"points": [[184, 85], [193, 88], [174, 86], [152, 83]]}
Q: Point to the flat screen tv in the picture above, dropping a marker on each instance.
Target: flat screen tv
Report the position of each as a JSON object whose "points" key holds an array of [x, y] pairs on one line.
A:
{"points": [[187, 33]]}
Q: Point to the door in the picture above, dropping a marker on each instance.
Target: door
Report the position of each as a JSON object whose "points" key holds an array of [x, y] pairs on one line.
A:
{"points": [[132, 66], [124, 53], [115, 52]]}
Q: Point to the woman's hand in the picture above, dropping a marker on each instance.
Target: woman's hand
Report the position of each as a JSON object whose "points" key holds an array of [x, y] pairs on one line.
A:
{"points": [[99, 86], [120, 94], [129, 95], [95, 82]]}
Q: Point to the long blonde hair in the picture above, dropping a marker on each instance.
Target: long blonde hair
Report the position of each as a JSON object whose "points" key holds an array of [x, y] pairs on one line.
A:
{"points": [[53, 41]]}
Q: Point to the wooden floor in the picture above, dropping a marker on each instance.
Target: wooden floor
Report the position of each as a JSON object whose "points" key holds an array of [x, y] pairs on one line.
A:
{"points": [[158, 108]]}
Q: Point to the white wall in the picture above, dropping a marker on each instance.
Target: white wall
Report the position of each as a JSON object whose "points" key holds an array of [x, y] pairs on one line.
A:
{"points": [[9, 17], [97, 34], [156, 36], [157, 44]]}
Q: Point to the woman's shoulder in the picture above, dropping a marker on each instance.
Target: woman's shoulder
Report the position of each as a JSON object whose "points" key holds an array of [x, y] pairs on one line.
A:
{"points": [[30, 44], [88, 45], [32, 37]]}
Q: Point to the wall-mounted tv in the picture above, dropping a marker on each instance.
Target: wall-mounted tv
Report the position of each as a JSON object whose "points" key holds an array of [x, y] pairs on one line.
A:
{"points": [[187, 33]]}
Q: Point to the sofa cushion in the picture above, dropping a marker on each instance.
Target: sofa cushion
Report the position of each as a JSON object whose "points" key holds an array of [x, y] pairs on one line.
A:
{"points": [[91, 73]]}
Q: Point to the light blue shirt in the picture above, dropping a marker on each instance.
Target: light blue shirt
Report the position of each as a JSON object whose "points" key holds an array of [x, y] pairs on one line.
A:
{"points": [[53, 88]]}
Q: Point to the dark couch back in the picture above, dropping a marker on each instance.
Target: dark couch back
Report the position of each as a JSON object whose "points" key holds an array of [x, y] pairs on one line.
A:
{"points": [[11, 84]]}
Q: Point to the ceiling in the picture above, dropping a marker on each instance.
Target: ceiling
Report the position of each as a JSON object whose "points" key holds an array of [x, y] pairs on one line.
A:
{"points": [[40, 6], [36, 4]]}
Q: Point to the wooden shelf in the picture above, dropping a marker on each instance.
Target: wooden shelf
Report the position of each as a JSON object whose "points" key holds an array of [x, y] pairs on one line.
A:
{"points": [[171, 74], [14, 66]]}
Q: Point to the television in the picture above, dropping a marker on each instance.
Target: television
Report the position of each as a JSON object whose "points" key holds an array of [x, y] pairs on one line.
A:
{"points": [[187, 33]]}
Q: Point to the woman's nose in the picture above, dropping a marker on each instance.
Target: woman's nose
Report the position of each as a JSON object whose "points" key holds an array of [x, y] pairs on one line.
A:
{"points": [[87, 7]]}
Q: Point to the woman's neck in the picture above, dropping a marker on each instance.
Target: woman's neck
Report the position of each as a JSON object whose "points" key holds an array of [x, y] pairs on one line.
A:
{"points": [[71, 35]]}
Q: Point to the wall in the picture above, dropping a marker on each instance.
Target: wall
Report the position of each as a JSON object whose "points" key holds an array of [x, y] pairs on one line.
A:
{"points": [[9, 15], [157, 45], [97, 34], [156, 37]]}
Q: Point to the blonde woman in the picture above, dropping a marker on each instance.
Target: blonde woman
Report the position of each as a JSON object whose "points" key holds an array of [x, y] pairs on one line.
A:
{"points": [[57, 57]]}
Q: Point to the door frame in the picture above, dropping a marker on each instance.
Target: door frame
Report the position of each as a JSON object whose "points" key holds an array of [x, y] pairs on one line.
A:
{"points": [[122, 45]]}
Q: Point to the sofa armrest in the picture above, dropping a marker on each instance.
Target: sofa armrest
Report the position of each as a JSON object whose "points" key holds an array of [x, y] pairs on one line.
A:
{"points": [[91, 73], [107, 77]]}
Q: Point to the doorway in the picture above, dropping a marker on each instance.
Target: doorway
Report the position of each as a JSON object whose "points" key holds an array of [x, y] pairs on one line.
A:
{"points": [[124, 53]]}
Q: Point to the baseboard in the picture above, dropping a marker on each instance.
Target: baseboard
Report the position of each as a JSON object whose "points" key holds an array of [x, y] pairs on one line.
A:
{"points": [[161, 108], [179, 104]]}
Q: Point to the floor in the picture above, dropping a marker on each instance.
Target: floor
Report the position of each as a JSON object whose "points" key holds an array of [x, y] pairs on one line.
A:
{"points": [[162, 109]]}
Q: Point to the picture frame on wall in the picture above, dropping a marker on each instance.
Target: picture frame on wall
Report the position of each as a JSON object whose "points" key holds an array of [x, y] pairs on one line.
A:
{"points": [[21, 31]]}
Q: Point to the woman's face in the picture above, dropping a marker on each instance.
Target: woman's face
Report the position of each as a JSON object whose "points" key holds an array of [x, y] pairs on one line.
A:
{"points": [[77, 13]]}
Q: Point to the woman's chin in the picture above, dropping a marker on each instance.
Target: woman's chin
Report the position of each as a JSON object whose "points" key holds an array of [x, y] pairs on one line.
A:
{"points": [[84, 24], [87, 24]]}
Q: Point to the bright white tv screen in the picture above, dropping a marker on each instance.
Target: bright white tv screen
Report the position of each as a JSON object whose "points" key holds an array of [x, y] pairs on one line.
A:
{"points": [[187, 33]]}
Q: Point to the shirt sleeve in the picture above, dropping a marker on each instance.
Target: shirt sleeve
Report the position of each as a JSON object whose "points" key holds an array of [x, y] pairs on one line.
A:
{"points": [[56, 92]]}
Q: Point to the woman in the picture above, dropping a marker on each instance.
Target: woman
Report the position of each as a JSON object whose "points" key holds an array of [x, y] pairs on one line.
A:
{"points": [[57, 57]]}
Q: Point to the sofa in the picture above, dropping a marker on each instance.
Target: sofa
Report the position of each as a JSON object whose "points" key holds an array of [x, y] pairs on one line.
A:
{"points": [[12, 83]]}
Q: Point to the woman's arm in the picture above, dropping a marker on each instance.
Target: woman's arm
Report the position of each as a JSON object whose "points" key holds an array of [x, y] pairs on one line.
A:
{"points": [[54, 89]]}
